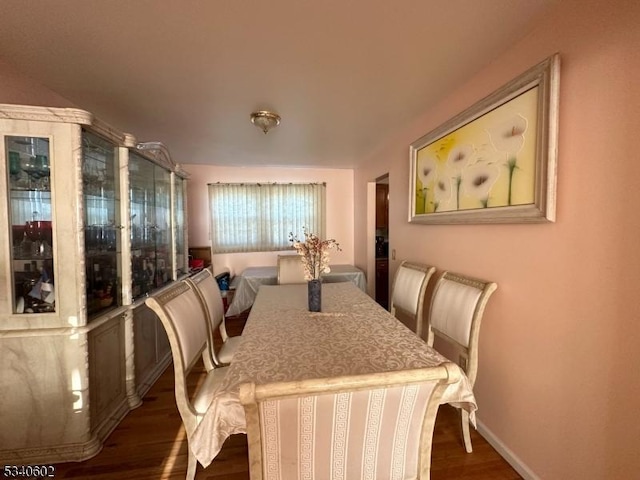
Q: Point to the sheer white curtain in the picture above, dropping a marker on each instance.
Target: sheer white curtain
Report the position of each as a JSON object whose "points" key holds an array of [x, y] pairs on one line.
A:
{"points": [[259, 217]]}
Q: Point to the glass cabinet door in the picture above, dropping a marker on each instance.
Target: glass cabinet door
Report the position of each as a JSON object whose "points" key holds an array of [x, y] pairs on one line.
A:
{"points": [[164, 255], [142, 225], [150, 199], [179, 227], [31, 224], [102, 225]]}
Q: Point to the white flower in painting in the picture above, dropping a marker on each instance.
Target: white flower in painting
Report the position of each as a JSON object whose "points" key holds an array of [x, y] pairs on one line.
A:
{"points": [[485, 152], [427, 171], [508, 136], [459, 157], [442, 190], [478, 181]]}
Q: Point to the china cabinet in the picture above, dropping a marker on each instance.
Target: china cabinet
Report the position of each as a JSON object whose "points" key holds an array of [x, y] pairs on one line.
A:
{"points": [[91, 221]]}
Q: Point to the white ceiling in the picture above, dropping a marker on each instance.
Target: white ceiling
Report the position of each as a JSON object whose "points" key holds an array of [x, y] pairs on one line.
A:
{"points": [[343, 74]]}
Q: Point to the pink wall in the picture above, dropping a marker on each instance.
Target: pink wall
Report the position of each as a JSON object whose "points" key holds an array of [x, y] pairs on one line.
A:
{"points": [[16, 88], [558, 382], [339, 208]]}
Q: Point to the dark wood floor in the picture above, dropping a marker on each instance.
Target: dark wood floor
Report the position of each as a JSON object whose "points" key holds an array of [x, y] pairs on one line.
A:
{"points": [[150, 444]]}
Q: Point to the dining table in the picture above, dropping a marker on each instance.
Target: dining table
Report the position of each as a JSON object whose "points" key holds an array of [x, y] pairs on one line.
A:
{"points": [[284, 341], [246, 284]]}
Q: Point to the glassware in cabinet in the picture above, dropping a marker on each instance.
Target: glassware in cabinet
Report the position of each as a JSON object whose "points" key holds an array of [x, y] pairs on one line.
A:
{"points": [[28, 161]]}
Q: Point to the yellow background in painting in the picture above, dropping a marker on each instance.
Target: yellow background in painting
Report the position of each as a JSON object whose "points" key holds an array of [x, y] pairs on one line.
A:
{"points": [[476, 134]]}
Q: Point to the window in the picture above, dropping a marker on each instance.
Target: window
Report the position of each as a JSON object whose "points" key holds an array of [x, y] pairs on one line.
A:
{"points": [[259, 217]]}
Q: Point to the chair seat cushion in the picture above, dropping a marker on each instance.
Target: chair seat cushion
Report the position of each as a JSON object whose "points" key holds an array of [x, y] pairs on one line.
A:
{"points": [[208, 389], [229, 349]]}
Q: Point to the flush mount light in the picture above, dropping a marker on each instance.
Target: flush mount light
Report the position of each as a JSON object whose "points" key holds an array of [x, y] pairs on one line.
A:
{"points": [[265, 120]]}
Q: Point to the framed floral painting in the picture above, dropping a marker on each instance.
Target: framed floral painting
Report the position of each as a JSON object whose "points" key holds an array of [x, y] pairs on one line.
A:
{"points": [[496, 161]]}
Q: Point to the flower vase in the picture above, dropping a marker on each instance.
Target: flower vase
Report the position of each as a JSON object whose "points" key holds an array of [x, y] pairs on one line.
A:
{"points": [[314, 293]]}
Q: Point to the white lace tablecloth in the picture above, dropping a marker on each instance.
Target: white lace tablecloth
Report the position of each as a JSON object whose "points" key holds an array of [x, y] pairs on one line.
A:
{"points": [[250, 280], [283, 341]]}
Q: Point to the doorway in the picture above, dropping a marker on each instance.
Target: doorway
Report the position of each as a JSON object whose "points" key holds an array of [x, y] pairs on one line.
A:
{"points": [[381, 247]]}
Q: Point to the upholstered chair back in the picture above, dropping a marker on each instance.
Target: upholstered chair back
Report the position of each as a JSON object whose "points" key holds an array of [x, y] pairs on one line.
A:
{"points": [[368, 426], [206, 287], [453, 310], [407, 294], [190, 333], [290, 269]]}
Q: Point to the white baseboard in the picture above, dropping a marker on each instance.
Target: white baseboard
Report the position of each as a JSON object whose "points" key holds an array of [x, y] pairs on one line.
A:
{"points": [[511, 458]]}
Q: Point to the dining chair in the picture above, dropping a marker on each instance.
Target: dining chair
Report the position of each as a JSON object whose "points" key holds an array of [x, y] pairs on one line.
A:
{"points": [[407, 294], [364, 426], [290, 269], [206, 287], [183, 318], [457, 307]]}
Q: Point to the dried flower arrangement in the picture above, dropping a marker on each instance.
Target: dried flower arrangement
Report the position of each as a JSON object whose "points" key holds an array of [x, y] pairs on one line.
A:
{"points": [[314, 253]]}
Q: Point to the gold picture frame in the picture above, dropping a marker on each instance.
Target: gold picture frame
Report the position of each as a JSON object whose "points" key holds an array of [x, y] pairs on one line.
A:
{"points": [[496, 161]]}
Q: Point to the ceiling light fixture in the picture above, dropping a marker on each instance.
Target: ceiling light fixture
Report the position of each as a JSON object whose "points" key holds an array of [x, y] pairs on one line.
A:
{"points": [[265, 120]]}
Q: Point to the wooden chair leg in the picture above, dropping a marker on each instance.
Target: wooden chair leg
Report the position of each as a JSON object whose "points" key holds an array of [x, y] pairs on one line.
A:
{"points": [[464, 415]]}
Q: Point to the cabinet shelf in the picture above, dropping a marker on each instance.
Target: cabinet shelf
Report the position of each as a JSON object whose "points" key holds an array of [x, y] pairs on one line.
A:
{"points": [[28, 189], [31, 258]]}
